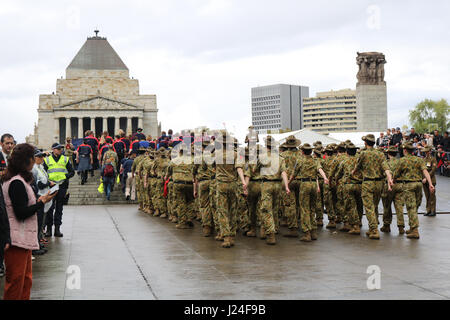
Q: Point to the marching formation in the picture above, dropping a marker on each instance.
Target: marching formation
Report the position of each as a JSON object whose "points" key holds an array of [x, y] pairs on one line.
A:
{"points": [[232, 189]]}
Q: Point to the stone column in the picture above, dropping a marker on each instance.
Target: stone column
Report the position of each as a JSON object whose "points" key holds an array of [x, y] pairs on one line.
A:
{"points": [[140, 122], [117, 125], [55, 138], [129, 126], [93, 125], [80, 128], [105, 124], [68, 128]]}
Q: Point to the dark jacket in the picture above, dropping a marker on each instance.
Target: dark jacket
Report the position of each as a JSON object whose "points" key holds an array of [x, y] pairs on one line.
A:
{"points": [[4, 223]]}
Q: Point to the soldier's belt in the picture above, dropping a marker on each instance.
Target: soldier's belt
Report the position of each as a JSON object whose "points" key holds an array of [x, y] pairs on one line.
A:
{"points": [[373, 179], [306, 179], [407, 181], [183, 182], [268, 180]]}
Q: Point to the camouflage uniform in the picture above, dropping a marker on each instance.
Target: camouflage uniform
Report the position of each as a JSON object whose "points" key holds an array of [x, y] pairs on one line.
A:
{"points": [[339, 187], [327, 190], [226, 195], [394, 195], [291, 201], [254, 195], [372, 165], [146, 165], [136, 168], [431, 164], [409, 173], [351, 185], [180, 169], [270, 190], [203, 174], [161, 164], [320, 200], [305, 172]]}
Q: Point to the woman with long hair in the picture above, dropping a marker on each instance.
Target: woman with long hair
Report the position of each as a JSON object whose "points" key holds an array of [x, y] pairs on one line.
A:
{"points": [[21, 207]]}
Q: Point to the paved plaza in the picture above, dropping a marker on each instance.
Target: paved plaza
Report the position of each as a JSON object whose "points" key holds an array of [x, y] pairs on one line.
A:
{"points": [[125, 254]]}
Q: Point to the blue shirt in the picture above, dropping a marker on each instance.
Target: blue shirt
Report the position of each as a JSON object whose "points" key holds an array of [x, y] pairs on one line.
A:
{"points": [[144, 144]]}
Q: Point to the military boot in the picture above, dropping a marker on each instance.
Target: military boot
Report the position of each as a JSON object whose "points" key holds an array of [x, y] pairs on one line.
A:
{"points": [[164, 215], [432, 214], [218, 237], [313, 234], [271, 240], [262, 233], [206, 231], [319, 222], [306, 237], [293, 233], [386, 228], [374, 235], [183, 226], [413, 234], [251, 233], [355, 229], [331, 224], [226, 242], [156, 214], [345, 228], [401, 229]]}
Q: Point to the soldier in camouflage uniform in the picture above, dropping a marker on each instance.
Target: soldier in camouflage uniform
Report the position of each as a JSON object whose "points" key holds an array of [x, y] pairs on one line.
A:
{"points": [[136, 172], [431, 164], [394, 195], [227, 169], [291, 200], [160, 168], [409, 173], [146, 169], [340, 201], [269, 167], [180, 170], [372, 164], [305, 171], [327, 192], [253, 192], [171, 195], [351, 184], [317, 154], [203, 174]]}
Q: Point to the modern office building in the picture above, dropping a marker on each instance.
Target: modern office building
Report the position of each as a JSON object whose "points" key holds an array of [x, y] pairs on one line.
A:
{"points": [[331, 111], [278, 107]]}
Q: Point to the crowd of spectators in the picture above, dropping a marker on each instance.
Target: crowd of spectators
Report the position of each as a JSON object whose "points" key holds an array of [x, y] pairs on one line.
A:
{"points": [[439, 143]]}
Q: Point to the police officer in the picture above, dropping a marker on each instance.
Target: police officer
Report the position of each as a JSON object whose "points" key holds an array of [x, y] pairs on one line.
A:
{"points": [[59, 171]]}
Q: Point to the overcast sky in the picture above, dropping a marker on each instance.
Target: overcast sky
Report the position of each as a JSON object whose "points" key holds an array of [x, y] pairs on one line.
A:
{"points": [[201, 57]]}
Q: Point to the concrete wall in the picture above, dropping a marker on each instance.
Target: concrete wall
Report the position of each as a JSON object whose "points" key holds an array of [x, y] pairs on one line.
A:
{"points": [[371, 107]]}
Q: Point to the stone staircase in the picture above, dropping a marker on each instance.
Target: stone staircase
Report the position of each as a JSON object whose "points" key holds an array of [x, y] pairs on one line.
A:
{"points": [[88, 194]]}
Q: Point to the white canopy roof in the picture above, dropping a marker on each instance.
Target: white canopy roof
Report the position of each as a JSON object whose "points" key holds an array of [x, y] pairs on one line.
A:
{"points": [[305, 136], [354, 137]]}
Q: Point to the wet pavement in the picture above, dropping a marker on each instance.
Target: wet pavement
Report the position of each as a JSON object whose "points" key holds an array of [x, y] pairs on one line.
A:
{"points": [[125, 254]]}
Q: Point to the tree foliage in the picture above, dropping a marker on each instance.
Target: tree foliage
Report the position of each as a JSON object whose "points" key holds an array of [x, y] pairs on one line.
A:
{"points": [[429, 115]]}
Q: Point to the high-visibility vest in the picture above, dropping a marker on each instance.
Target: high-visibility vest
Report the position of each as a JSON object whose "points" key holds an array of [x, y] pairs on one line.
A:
{"points": [[57, 170]]}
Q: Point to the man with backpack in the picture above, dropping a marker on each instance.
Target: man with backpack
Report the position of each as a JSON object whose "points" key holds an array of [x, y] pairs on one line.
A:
{"points": [[108, 151], [108, 174]]}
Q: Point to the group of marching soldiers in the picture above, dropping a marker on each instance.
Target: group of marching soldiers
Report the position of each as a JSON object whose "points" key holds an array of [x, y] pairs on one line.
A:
{"points": [[230, 188]]}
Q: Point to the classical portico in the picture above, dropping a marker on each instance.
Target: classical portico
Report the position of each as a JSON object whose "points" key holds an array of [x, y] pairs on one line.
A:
{"points": [[97, 94]]}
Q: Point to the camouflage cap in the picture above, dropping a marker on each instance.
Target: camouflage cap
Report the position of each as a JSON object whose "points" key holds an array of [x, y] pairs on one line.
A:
{"points": [[317, 143], [369, 137], [342, 145]]}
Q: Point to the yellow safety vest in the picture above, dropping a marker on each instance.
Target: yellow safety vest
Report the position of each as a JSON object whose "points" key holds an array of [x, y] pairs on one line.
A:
{"points": [[57, 170]]}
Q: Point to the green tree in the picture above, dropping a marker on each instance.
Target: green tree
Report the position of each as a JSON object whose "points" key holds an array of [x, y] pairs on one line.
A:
{"points": [[429, 115]]}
